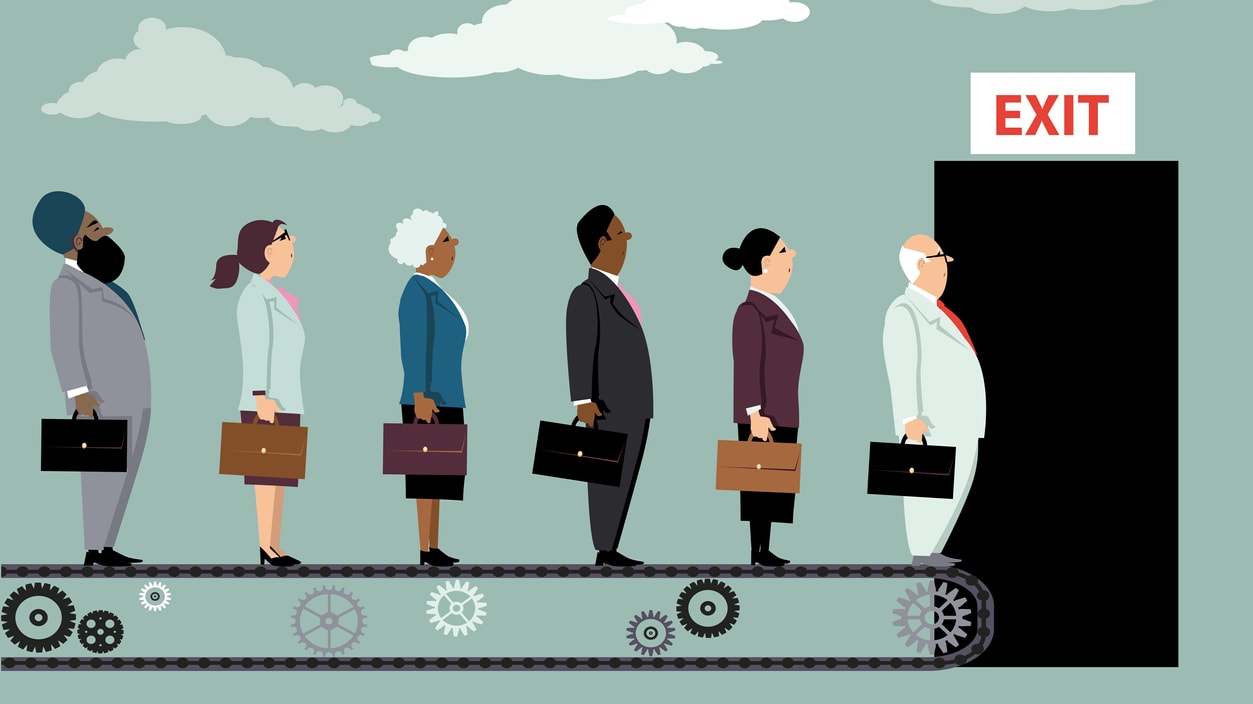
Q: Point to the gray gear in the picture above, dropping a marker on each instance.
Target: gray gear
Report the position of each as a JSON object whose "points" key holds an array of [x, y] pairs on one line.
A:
{"points": [[934, 616], [328, 621], [650, 633]]}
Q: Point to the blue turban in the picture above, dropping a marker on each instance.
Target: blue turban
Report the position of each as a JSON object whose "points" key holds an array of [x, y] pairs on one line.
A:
{"points": [[57, 219]]}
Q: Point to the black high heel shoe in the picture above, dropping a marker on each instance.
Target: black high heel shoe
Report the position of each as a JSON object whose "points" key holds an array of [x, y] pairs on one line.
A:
{"points": [[435, 558], [278, 560], [440, 553]]}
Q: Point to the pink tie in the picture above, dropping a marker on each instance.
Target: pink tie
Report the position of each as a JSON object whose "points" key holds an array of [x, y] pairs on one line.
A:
{"points": [[634, 306]]}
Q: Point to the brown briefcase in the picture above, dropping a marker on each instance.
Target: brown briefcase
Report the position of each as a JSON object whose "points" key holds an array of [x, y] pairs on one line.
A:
{"points": [[263, 450], [744, 465]]}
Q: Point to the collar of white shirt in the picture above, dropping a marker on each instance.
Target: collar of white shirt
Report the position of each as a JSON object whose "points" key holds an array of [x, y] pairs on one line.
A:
{"points": [[778, 303], [73, 263], [924, 294], [612, 277]]}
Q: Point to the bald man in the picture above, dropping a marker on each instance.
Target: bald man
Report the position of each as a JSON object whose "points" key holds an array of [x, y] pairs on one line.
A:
{"points": [[100, 356], [937, 390]]}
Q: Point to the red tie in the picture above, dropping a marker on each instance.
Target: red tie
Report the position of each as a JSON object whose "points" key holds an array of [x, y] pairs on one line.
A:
{"points": [[953, 317]]}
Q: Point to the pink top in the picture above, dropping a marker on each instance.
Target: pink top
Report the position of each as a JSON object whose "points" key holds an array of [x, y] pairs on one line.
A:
{"points": [[634, 306], [290, 299]]}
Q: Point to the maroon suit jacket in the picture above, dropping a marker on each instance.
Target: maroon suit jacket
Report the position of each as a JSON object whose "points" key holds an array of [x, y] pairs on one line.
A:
{"points": [[767, 350]]}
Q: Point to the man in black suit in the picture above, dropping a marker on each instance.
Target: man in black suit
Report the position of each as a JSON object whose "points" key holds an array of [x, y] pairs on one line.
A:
{"points": [[611, 378]]}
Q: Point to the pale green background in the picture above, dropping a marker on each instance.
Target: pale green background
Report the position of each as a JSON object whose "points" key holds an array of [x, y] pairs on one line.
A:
{"points": [[825, 131]]}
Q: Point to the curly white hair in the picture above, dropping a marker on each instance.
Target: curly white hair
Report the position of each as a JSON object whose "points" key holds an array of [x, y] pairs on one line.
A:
{"points": [[413, 235]]}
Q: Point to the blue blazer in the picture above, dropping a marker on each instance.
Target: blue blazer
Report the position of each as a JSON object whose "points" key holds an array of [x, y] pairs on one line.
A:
{"points": [[432, 338]]}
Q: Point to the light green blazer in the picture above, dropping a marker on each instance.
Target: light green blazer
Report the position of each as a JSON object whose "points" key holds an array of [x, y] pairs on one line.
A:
{"points": [[272, 341], [933, 372]]}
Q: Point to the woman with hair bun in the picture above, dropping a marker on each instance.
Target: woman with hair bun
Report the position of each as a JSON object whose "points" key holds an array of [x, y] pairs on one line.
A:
{"points": [[767, 349], [272, 341]]}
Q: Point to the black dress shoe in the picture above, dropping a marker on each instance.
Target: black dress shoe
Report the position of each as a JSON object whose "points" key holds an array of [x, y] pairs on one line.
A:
{"points": [[434, 557], [111, 551], [278, 560], [294, 561], [768, 559], [440, 553], [108, 559], [613, 558]]}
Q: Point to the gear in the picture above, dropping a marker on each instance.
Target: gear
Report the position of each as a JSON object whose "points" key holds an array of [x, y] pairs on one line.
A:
{"points": [[100, 631], [708, 608], [334, 611], [650, 633], [933, 617], [155, 596], [28, 624], [456, 608]]}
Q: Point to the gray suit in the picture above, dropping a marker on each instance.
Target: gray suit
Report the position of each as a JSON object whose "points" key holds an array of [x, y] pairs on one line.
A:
{"points": [[934, 375], [607, 360], [97, 344]]}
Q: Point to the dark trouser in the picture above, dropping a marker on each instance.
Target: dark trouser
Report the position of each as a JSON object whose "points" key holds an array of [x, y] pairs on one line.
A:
{"points": [[422, 486], [761, 508], [607, 505]]}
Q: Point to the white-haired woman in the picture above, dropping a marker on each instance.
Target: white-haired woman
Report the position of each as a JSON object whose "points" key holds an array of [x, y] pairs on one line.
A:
{"points": [[433, 331]]}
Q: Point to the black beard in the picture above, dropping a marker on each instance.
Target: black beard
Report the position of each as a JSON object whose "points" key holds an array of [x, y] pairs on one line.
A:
{"points": [[102, 259]]}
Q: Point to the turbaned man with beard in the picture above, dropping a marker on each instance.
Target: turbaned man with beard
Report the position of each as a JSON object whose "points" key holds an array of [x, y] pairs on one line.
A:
{"points": [[100, 356]]}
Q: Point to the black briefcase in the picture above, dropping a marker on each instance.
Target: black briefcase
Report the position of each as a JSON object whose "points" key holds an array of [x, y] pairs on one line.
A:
{"points": [[897, 469], [72, 445], [580, 453]]}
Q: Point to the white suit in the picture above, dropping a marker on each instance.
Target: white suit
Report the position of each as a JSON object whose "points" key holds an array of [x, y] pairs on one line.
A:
{"points": [[934, 375]]}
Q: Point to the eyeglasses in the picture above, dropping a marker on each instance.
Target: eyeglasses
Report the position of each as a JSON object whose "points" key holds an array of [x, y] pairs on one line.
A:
{"points": [[284, 236], [937, 256]]}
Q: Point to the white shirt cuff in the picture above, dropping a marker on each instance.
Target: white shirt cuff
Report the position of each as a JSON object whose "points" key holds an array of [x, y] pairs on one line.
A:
{"points": [[751, 410], [76, 392], [580, 403]]}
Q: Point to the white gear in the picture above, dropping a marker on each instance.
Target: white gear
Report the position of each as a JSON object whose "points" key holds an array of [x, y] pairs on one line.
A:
{"points": [[155, 596], [456, 608]]}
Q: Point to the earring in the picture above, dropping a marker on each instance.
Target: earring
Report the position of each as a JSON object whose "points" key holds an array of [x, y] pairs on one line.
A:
{"points": [[765, 271]]}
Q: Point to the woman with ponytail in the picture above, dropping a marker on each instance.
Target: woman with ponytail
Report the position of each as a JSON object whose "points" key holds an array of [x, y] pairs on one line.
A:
{"points": [[272, 341], [767, 349]]}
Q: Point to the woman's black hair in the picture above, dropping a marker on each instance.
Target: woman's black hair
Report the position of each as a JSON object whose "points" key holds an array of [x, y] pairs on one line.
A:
{"points": [[757, 244]]}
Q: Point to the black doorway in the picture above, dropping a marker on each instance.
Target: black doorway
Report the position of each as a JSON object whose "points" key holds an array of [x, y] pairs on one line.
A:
{"points": [[1066, 275]]}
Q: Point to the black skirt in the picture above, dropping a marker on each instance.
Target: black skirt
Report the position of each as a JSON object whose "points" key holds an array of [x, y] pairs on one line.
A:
{"points": [[425, 486], [767, 505]]}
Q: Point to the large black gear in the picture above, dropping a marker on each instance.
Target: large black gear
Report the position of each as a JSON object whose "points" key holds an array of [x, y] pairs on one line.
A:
{"points": [[38, 617], [100, 631], [710, 623]]}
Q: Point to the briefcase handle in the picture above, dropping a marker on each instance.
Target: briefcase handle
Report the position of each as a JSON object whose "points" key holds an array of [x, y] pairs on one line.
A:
{"points": [[93, 415], [256, 420], [769, 438], [906, 437], [576, 422], [433, 415]]}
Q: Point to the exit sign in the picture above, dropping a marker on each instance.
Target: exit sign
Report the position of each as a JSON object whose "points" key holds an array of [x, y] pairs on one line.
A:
{"points": [[1052, 113]]}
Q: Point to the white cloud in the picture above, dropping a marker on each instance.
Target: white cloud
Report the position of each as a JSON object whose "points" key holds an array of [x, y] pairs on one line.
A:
{"points": [[182, 74], [1000, 7], [572, 38], [712, 14]]}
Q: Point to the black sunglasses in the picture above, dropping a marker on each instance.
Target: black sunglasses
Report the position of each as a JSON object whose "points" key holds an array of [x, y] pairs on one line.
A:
{"points": [[283, 236]]}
